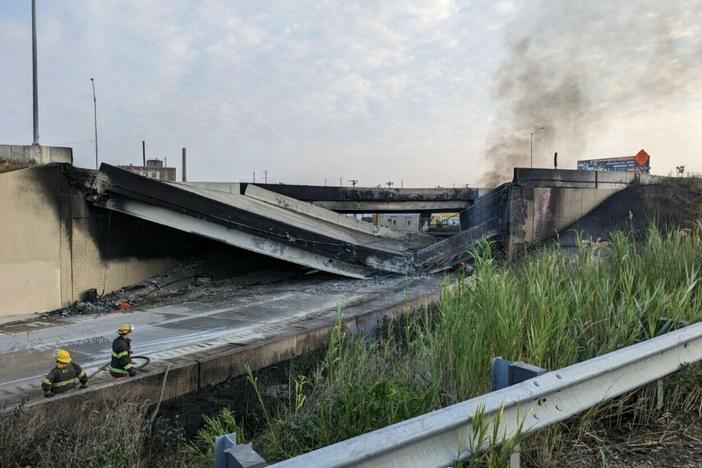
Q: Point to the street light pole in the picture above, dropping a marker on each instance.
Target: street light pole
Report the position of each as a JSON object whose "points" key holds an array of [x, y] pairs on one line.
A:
{"points": [[531, 144], [92, 82], [35, 93]]}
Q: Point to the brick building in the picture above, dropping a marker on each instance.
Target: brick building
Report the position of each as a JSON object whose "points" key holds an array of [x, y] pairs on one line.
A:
{"points": [[154, 169]]}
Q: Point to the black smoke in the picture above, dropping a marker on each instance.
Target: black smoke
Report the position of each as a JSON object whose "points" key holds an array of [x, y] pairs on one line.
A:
{"points": [[575, 65]]}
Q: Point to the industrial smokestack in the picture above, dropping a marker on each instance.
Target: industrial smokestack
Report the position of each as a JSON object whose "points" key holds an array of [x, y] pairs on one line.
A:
{"points": [[143, 152], [183, 172]]}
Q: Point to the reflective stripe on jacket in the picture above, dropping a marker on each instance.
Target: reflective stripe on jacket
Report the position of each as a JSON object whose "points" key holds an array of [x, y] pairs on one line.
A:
{"points": [[121, 362], [61, 379]]}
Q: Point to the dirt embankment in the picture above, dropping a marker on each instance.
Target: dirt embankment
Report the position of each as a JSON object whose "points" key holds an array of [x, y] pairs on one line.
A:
{"points": [[673, 204], [8, 165]]}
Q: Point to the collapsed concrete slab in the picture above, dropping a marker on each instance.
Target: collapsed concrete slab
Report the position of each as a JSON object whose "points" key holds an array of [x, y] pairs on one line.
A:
{"points": [[258, 220], [309, 209], [252, 224], [366, 199]]}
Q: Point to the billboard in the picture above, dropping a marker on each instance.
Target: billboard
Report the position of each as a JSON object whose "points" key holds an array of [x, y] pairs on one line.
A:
{"points": [[641, 162]]}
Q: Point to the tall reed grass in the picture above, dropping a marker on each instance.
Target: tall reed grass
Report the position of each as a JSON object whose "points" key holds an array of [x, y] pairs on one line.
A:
{"points": [[554, 309]]}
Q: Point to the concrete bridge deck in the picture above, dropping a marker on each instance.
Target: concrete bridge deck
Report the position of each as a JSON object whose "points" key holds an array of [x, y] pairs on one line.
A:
{"points": [[365, 199]]}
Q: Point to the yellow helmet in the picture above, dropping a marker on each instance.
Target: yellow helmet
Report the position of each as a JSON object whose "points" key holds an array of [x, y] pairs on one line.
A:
{"points": [[124, 329], [63, 356]]}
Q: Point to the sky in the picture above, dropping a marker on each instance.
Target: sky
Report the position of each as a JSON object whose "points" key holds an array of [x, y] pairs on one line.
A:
{"points": [[420, 93]]}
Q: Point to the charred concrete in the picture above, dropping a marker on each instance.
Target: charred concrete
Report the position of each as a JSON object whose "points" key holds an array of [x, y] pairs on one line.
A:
{"points": [[366, 199], [269, 228]]}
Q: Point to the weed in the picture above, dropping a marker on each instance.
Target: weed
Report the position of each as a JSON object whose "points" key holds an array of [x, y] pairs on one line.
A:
{"points": [[202, 448], [553, 309]]}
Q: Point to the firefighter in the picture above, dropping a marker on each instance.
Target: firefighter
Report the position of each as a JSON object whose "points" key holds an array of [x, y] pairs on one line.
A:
{"points": [[121, 363], [64, 376]]}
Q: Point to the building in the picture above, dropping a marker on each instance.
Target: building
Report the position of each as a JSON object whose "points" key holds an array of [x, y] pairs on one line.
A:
{"points": [[154, 169], [444, 219], [403, 222], [640, 162]]}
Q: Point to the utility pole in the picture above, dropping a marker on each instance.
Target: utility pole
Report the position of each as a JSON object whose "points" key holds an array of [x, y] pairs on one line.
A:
{"points": [[35, 90], [265, 176], [183, 173], [92, 82], [254, 177], [531, 144], [341, 183], [143, 152]]}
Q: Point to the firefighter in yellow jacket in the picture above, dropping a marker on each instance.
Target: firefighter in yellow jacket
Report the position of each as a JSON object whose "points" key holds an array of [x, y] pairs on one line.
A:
{"points": [[65, 376]]}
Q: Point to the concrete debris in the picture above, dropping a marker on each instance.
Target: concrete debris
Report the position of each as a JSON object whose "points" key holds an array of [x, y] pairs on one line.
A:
{"points": [[278, 226], [123, 304]]}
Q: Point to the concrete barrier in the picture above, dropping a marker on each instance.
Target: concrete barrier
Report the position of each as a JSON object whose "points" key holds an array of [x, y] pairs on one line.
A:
{"points": [[565, 178], [36, 154]]}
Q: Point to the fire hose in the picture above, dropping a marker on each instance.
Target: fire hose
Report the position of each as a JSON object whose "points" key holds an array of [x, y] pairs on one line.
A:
{"points": [[138, 362]]}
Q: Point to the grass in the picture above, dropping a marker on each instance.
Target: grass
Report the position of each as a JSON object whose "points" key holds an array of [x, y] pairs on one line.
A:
{"points": [[552, 310], [114, 433]]}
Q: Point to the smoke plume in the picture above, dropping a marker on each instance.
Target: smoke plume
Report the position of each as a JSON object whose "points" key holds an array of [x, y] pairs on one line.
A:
{"points": [[578, 64]]}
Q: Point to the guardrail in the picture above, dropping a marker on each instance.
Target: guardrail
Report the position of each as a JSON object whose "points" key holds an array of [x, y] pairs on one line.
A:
{"points": [[445, 436]]}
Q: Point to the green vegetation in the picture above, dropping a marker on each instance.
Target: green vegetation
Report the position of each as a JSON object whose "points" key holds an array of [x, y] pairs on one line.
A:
{"points": [[554, 309], [201, 450]]}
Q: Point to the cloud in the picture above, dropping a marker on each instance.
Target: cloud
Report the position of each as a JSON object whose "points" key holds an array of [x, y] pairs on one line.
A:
{"points": [[307, 90], [577, 68]]}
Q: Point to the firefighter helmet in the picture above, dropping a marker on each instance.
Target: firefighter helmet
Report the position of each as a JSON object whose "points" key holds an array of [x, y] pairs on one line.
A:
{"points": [[124, 329], [63, 356]]}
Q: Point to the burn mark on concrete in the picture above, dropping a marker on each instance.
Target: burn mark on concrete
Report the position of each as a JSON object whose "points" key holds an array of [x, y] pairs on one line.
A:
{"points": [[311, 193], [122, 185]]}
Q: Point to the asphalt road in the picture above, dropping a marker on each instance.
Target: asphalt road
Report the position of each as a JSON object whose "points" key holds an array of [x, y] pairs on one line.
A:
{"points": [[240, 315]]}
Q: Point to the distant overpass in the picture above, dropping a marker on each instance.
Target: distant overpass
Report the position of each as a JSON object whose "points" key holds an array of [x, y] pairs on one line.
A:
{"points": [[365, 199]]}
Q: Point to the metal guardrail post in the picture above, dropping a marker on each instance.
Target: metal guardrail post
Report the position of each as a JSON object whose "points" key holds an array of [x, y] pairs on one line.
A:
{"points": [[665, 325], [230, 455], [223, 443], [504, 373]]}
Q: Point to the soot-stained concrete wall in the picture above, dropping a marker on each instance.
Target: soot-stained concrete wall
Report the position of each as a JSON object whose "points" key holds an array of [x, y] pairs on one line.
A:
{"points": [[543, 202], [34, 242], [54, 245], [538, 213]]}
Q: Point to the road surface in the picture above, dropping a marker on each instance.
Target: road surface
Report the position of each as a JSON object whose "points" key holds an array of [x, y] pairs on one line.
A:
{"points": [[241, 315]]}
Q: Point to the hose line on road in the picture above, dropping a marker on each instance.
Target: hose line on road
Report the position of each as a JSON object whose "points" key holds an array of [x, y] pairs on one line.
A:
{"points": [[142, 361]]}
